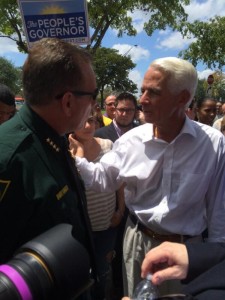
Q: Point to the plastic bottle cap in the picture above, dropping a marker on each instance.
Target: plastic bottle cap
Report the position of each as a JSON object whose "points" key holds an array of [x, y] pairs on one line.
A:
{"points": [[149, 276]]}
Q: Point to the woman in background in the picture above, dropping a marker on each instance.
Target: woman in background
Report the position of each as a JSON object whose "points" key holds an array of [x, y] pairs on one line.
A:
{"points": [[101, 208], [191, 110], [206, 111]]}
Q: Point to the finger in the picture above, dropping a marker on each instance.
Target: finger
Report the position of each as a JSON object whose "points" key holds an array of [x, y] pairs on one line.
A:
{"points": [[166, 274], [71, 140], [71, 136], [153, 261]]}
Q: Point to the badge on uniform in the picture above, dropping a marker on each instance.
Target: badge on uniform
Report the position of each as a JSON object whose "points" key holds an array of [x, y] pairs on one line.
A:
{"points": [[61, 193], [4, 184]]}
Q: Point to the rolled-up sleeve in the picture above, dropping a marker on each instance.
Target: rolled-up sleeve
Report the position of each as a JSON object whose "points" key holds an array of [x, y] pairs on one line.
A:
{"points": [[103, 176]]}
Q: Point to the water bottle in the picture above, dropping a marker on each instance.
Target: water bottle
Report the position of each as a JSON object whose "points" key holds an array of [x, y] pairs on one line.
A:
{"points": [[146, 290]]}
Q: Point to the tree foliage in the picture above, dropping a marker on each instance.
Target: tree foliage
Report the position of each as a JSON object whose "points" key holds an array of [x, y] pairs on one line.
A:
{"points": [[102, 16], [10, 75], [209, 46], [201, 90], [11, 23], [113, 14], [112, 71], [217, 88]]}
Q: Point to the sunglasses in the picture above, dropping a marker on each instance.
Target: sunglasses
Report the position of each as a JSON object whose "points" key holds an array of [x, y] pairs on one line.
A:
{"points": [[80, 94]]}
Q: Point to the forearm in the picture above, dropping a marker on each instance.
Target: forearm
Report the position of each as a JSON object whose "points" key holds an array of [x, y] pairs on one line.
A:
{"points": [[97, 176]]}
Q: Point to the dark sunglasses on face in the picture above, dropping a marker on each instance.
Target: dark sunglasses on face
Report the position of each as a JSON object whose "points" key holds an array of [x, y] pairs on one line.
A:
{"points": [[80, 94]]}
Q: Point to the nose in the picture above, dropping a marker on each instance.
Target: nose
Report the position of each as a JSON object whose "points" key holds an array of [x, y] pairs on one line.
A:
{"points": [[123, 113], [86, 125], [144, 99]]}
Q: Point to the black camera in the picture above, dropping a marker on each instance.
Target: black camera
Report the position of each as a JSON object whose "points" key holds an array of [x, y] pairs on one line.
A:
{"points": [[54, 265]]}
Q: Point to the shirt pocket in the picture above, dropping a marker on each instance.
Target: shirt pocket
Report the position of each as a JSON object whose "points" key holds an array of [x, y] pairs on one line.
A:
{"points": [[189, 186]]}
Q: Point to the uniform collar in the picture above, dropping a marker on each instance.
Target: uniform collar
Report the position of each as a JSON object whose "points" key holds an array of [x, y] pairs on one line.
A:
{"points": [[45, 132]]}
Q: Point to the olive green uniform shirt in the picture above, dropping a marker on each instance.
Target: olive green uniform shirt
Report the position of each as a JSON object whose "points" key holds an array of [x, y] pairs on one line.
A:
{"points": [[37, 187]]}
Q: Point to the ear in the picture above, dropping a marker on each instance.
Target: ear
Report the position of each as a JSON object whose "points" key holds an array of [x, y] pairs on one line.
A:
{"points": [[184, 97], [197, 110], [67, 103]]}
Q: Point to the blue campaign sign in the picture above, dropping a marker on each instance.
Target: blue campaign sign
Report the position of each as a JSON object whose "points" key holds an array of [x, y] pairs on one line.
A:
{"points": [[64, 19]]}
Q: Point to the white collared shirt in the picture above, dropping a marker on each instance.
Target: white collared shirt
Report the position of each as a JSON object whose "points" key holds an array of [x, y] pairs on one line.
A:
{"points": [[176, 187]]}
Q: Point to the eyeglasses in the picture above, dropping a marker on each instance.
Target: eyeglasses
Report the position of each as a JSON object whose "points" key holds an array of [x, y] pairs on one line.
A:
{"points": [[80, 93], [110, 104], [126, 110]]}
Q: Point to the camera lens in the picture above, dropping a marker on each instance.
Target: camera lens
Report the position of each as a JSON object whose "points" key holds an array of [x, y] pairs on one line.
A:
{"points": [[52, 266]]}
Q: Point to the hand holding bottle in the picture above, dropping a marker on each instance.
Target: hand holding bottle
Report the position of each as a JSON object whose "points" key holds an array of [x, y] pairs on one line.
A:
{"points": [[146, 290], [166, 261]]}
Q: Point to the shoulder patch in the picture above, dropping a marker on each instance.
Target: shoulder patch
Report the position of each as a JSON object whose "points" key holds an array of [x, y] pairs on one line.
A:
{"points": [[4, 184]]}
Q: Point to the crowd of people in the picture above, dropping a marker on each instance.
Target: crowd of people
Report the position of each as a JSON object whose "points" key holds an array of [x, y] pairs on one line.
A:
{"points": [[142, 183]]}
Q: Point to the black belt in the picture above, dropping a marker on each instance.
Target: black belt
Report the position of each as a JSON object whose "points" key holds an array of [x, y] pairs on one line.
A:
{"points": [[175, 238]]}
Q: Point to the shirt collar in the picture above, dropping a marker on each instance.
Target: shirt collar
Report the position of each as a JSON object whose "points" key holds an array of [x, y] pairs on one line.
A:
{"points": [[188, 128], [118, 130]]}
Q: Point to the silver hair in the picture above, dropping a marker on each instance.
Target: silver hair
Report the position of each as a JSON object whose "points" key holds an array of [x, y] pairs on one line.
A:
{"points": [[182, 75]]}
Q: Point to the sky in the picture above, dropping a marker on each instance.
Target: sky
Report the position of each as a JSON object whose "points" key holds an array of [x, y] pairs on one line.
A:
{"points": [[142, 48]]}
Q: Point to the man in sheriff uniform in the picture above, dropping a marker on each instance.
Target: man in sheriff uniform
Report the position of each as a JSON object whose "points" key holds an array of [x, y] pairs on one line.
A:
{"points": [[39, 188]]}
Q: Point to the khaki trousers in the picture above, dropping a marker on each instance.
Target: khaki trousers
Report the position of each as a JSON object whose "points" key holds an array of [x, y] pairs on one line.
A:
{"points": [[135, 245]]}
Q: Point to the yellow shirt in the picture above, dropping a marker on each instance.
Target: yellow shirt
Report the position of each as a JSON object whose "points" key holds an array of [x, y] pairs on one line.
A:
{"points": [[106, 120]]}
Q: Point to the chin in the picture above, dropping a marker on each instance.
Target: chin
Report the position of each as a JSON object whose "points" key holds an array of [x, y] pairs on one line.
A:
{"points": [[148, 119], [147, 114]]}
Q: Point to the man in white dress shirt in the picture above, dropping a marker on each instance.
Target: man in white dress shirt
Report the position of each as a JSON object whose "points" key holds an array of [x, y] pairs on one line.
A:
{"points": [[173, 168]]}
